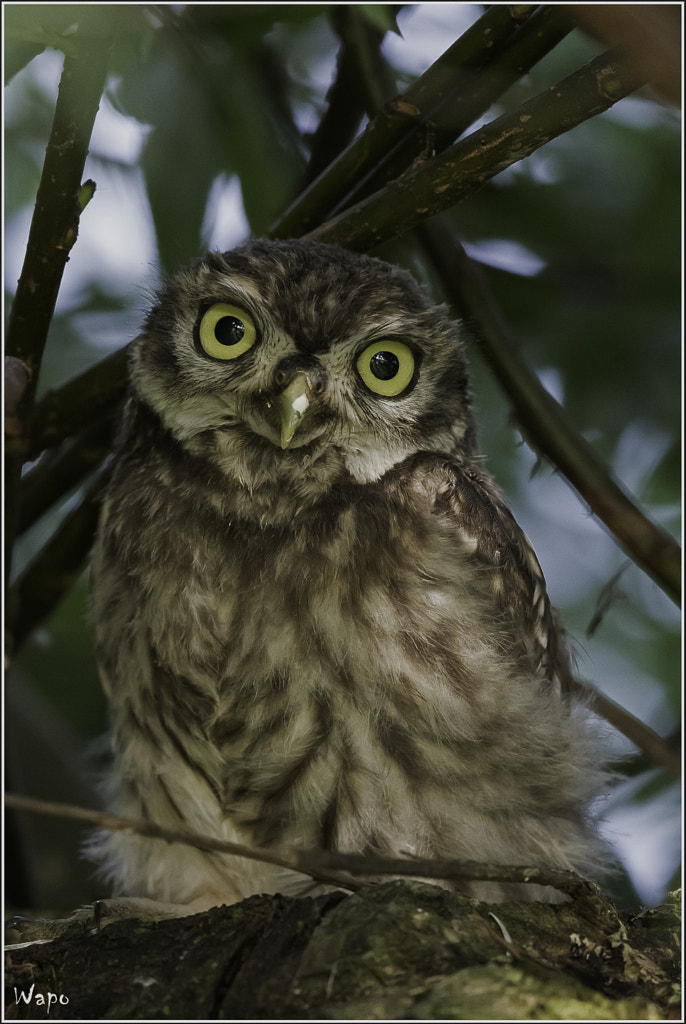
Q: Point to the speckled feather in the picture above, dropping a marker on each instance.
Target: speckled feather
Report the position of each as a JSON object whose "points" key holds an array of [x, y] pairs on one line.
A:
{"points": [[345, 644]]}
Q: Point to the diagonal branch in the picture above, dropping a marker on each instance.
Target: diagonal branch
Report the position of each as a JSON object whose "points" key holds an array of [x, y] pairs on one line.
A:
{"points": [[60, 470], [46, 579], [447, 108], [445, 180], [404, 117], [659, 751], [544, 420], [68, 409], [349, 97], [338, 869]]}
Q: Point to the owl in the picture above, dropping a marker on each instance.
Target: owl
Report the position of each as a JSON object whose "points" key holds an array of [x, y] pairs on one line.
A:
{"points": [[316, 621]]}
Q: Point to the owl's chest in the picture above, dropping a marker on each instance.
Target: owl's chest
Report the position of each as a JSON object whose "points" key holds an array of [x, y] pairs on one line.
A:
{"points": [[341, 592], [345, 643]]}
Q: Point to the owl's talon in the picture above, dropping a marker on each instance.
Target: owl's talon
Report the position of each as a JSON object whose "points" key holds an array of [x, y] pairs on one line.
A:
{"points": [[21, 930], [99, 910], [92, 917], [13, 929]]}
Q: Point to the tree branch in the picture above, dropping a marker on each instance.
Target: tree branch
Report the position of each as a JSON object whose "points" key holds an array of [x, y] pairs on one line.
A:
{"points": [[448, 108], [362, 41], [349, 96], [658, 750], [65, 411], [44, 582], [59, 471], [407, 115], [544, 420], [443, 181], [60, 200], [651, 33]]}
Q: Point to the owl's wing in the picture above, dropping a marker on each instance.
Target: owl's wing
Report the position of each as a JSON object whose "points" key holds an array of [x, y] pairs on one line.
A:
{"points": [[510, 571]]}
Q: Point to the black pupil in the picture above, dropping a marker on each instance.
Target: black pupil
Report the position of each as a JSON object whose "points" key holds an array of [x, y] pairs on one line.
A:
{"points": [[229, 330], [384, 365]]}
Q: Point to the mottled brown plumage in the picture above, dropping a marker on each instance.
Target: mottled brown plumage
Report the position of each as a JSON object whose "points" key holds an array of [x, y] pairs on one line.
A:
{"points": [[316, 620]]}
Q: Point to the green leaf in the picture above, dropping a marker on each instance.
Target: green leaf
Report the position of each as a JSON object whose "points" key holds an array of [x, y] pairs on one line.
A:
{"points": [[381, 16]]}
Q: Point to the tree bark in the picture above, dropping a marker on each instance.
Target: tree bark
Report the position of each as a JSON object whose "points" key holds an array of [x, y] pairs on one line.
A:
{"points": [[398, 950]]}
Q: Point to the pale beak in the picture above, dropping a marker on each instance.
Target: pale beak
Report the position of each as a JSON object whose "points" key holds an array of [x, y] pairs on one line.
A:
{"points": [[292, 405]]}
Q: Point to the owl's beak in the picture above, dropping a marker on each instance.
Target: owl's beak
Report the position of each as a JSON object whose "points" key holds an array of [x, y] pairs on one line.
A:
{"points": [[292, 405]]}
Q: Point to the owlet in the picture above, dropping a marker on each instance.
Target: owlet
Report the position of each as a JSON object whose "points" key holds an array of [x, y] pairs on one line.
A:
{"points": [[317, 623]]}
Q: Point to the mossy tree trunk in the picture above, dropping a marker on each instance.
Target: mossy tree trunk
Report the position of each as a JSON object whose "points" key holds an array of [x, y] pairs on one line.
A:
{"points": [[398, 950]]}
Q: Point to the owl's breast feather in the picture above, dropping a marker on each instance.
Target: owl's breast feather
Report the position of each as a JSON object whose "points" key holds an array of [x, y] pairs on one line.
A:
{"points": [[340, 682]]}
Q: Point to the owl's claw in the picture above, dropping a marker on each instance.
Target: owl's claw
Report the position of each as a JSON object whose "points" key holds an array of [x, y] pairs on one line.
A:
{"points": [[24, 930], [92, 917]]}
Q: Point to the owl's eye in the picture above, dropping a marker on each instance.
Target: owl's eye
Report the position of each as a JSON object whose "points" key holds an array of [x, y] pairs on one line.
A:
{"points": [[226, 331], [386, 367]]}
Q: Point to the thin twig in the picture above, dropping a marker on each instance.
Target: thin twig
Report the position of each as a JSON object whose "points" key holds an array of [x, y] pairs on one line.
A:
{"points": [[459, 871], [644, 762], [331, 868], [137, 826]]}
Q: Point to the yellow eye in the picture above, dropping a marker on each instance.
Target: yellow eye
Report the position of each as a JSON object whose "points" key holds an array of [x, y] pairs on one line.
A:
{"points": [[386, 367], [226, 332]]}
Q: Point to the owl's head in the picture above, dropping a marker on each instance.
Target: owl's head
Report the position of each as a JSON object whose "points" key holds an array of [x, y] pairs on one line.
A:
{"points": [[290, 353]]}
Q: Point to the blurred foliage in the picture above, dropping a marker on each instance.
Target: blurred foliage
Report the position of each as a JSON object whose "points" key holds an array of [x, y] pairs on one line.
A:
{"points": [[581, 244]]}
